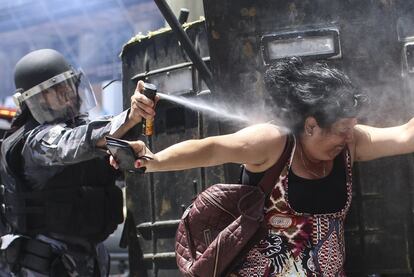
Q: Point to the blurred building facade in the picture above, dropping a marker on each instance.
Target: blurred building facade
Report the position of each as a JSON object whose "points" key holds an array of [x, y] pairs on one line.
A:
{"points": [[89, 33]]}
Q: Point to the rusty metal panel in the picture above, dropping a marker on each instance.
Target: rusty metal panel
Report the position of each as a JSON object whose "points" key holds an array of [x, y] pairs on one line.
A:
{"points": [[379, 227]]}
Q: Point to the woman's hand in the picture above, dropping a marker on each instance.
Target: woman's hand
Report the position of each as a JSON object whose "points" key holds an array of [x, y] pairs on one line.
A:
{"points": [[145, 156], [112, 162], [141, 106]]}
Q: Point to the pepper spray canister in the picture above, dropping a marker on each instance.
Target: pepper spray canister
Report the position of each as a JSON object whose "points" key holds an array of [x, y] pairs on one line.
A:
{"points": [[150, 91]]}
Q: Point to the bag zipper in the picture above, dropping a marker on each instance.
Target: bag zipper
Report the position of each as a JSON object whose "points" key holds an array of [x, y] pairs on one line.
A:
{"points": [[210, 198], [217, 255]]}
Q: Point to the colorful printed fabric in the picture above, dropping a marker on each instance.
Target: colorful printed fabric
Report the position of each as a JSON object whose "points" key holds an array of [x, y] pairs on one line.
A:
{"points": [[299, 244]]}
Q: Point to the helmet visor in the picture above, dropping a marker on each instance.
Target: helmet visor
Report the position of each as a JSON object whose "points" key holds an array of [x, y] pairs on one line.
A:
{"points": [[60, 98]]}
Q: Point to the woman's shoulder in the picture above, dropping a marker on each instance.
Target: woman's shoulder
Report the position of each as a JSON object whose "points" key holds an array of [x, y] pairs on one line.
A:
{"points": [[270, 141], [268, 134], [270, 130]]}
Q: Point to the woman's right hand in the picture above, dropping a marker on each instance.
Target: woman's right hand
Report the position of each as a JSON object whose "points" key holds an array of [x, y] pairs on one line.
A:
{"points": [[145, 156]]}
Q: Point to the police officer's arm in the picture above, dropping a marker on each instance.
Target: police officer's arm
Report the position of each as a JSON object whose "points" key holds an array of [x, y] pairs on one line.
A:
{"points": [[60, 144], [372, 143], [258, 147], [141, 107]]}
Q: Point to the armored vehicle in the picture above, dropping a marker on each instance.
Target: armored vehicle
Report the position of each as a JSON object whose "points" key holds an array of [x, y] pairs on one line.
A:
{"points": [[373, 41]]}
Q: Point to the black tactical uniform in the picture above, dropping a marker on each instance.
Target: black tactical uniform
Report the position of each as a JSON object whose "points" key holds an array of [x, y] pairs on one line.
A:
{"points": [[58, 196]]}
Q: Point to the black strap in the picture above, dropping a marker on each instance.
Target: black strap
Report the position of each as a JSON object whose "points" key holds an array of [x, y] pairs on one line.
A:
{"points": [[35, 263], [130, 238], [29, 253], [37, 256], [63, 193], [38, 248], [268, 181]]}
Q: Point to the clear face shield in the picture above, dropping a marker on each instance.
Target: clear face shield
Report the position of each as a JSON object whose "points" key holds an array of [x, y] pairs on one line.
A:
{"points": [[60, 98]]}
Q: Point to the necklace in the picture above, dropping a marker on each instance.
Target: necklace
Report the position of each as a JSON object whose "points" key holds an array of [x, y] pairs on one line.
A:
{"points": [[310, 171]]}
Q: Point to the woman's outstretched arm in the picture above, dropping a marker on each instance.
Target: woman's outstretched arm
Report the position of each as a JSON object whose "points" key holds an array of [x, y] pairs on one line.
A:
{"points": [[372, 143], [258, 147]]}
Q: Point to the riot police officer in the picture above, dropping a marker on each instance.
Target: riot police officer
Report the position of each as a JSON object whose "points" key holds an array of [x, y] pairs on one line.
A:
{"points": [[58, 194]]}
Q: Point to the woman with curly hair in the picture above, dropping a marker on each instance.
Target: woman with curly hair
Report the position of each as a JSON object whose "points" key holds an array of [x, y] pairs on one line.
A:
{"points": [[309, 202]]}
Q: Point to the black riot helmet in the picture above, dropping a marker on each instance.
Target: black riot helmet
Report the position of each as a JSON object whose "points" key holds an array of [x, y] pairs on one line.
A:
{"points": [[49, 86]]}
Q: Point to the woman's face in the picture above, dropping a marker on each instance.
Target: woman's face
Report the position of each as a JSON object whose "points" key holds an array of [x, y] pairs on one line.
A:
{"points": [[327, 143]]}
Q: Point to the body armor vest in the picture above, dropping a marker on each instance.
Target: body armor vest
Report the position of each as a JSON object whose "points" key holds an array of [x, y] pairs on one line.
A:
{"points": [[82, 200]]}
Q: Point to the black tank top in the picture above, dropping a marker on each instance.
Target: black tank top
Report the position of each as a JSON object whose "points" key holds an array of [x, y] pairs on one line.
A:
{"points": [[319, 196]]}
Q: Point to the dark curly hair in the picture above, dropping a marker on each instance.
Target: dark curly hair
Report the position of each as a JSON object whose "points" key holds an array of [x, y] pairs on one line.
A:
{"points": [[301, 90]]}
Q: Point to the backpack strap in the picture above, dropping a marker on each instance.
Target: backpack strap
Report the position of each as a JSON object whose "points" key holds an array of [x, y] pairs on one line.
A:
{"points": [[268, 180], [266, 184]]}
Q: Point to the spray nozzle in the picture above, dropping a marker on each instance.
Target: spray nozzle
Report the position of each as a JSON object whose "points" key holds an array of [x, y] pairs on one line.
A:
{"points": [[150, 90]]}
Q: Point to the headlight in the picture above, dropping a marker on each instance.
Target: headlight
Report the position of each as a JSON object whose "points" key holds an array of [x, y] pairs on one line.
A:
{"points": [[409, 56], [321, 43], [174, 80]]}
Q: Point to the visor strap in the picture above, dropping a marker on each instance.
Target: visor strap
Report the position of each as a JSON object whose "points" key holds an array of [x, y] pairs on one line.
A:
{"points": [[17, 97]]}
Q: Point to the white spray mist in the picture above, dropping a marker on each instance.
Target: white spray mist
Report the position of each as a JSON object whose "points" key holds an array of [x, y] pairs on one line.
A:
{"points": [[241, 115]]}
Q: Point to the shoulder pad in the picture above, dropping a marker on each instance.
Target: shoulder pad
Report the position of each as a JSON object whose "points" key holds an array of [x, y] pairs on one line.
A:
{"points": [[53, 135]]}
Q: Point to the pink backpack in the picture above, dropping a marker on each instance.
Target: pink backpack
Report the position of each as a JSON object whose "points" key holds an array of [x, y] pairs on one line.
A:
{"points": [[223, 223]]}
